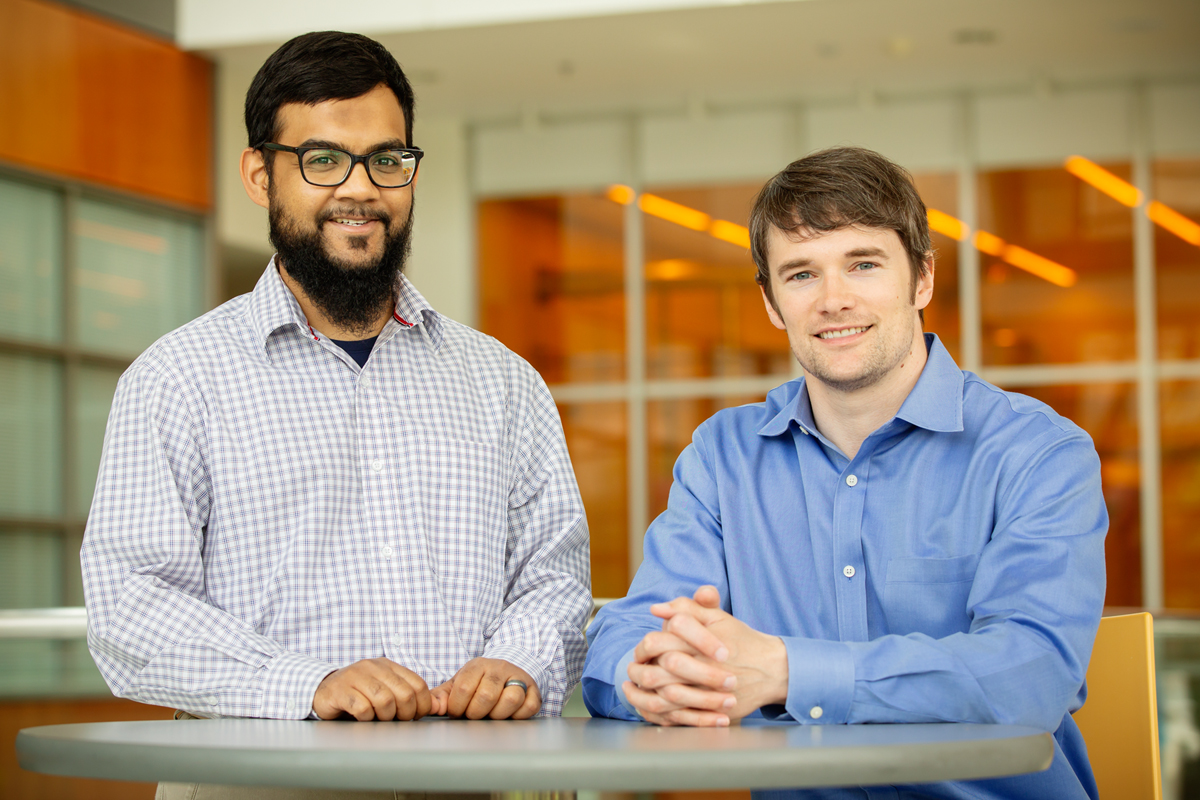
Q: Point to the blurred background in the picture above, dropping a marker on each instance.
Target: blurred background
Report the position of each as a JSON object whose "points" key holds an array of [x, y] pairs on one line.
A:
{"points": [[588, 175]]}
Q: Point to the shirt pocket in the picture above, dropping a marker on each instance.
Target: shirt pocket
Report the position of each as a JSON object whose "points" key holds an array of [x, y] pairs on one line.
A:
{"points": [[929, 595]]}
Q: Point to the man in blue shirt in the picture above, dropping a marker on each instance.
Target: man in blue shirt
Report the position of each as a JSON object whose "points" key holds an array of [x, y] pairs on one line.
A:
{"points": [[887, 538]]}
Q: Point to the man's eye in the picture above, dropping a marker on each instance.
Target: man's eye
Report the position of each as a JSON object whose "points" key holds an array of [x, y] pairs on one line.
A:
{"points": [[862, 265], [801, 276]]}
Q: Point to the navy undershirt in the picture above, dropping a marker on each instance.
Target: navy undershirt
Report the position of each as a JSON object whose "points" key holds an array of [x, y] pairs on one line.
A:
{"points": [[358, 350]]}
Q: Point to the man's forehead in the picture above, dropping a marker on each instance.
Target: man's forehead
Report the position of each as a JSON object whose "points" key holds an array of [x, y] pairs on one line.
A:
{"points": [[803, 234], [376, 115]]}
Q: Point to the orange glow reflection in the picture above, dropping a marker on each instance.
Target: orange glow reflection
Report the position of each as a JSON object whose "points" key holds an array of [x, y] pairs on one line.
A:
{"points": [[1092, 173], [1173, 221]]}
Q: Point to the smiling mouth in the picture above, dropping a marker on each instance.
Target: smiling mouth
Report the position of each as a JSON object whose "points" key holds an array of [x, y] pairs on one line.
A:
{"points": [[353, 222], [841, 333]]}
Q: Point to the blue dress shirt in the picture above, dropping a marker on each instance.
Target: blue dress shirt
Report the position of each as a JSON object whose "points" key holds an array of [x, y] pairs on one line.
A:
{"points": [[952, 571]]}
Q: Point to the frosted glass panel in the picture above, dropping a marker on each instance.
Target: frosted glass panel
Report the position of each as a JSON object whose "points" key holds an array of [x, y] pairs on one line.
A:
{"points": [[139, 276], [30, 436], [94, 391], [30, 262]]}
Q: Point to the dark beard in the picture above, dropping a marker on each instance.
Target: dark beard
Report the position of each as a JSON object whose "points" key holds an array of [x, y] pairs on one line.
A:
{"points": [[353, 298]]}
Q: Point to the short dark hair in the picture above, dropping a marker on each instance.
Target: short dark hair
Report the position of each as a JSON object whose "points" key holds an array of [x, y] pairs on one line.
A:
{"points": [[836, 188], [316, 67]]}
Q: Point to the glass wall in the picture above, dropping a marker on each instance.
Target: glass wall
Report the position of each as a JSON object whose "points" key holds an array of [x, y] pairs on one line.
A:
{"points": [[87, 282], [1057, 319]]}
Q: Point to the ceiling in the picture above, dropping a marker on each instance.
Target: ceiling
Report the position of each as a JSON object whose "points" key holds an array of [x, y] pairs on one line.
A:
{"points": [[746, 54]]}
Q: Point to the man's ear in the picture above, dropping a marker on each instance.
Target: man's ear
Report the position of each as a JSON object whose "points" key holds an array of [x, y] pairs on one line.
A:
{"points": [[772, 314], [924, 292], [255, 176]]}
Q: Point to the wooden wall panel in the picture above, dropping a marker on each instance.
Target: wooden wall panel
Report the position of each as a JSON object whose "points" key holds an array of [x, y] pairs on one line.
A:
{"points": [[85, 98], [17, 784]]}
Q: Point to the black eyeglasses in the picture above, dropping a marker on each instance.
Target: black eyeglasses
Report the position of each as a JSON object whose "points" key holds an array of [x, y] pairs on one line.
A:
{"points": [[327, 166]]}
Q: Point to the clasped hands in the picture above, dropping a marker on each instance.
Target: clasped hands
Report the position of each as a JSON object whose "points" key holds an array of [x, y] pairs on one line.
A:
{"points": [[378, 688], [704, 668]]}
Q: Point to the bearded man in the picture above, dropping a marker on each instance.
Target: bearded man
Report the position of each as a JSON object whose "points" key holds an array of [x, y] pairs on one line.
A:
{"points": [[322, 498]]}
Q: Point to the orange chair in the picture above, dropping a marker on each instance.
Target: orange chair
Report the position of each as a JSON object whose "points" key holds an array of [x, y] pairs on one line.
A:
{"points": [[1119, 721]]}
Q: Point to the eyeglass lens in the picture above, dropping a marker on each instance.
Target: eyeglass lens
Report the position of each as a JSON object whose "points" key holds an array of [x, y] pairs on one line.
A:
{"points": [[389, 168]]}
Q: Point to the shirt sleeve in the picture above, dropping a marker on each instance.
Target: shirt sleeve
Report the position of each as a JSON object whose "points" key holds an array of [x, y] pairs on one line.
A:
{"points": [[151, 630], [683, 549], [1034, 604], [547, 566]]}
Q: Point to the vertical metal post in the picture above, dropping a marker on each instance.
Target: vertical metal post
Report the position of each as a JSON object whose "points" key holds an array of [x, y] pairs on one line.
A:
{"points": [[1146, 315], [637, 441], [970, 317]]}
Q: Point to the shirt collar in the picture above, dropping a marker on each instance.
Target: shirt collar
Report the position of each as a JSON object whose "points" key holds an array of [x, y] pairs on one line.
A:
{"points": [[273, 307], [935, 403]]}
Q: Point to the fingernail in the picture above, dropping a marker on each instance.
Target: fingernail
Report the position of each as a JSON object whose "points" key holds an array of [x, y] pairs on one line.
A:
{"points": [[722, 722], [722, 653], [729, 701], [730, 682]]}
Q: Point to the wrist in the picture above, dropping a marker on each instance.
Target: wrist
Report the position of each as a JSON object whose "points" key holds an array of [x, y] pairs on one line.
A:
{"points": [[776, 667]]}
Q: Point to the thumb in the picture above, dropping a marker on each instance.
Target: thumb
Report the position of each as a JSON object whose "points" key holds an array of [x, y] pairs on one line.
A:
{"points": [[708, 597]]}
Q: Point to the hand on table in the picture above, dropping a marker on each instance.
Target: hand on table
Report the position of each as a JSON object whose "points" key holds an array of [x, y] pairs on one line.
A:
{"points": [[477, 691], [705, 668], [374, 688]]}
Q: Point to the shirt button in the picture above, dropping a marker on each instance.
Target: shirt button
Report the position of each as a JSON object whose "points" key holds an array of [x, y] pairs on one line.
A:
{"points": [[804, 430], [364, 382], [851, 480], [396, 641], [377, 465], [291, 705], [211, 699], [815, 712], [848, 571], [387, 551]]}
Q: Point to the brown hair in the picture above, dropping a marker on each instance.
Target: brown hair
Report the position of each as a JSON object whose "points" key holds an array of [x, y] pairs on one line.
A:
{"points": [[836, 188]]}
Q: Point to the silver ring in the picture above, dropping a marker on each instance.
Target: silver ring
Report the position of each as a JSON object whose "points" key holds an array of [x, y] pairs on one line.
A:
{"points": [[514, 682]]}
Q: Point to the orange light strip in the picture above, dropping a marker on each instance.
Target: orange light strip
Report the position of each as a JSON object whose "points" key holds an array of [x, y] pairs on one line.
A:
{"points": [[943, 223], [1170, 219], [1092, 173], [1024, 259], [730, 232], [671, 211], [682, 215]]}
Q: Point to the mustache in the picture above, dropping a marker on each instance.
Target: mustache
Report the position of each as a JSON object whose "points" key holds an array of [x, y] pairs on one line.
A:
{"points": [[360, 212]]}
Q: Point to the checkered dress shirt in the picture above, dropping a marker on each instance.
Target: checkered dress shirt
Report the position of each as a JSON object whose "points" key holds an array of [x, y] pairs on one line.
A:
{"points": [[267, 512]]}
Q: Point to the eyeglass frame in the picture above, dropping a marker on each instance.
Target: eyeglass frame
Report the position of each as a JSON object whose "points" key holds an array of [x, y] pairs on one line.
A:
{"points": [[355, 160]]}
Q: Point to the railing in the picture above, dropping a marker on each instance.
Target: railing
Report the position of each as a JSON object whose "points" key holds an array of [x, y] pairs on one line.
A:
{"points": [[71, 623]]}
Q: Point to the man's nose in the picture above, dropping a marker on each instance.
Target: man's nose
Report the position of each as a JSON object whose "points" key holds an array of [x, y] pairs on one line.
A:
{"points": [[358, 184], [836, 293]]}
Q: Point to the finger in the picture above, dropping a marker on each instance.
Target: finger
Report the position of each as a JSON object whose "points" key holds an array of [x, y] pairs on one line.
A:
{"points": [[655, 644], [688, 668], [651, 676], [689, 629], [684, 696], [647, 702], [357, 705], [438, 698], [686, 605], [487, 694], [464, 688], [421, 697], [511, 698], [532, 704], [708, 596], [696, 718]]}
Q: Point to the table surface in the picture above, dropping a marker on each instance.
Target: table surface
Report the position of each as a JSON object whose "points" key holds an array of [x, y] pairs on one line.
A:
{"points": [[438, 754]]}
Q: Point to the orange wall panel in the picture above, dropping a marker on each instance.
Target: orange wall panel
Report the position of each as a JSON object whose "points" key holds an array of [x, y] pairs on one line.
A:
{"points": [[88, 99]]}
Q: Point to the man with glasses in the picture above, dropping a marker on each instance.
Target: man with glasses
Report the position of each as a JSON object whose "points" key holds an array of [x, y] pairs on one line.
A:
{"points": [[323, 498], [887, 538]]}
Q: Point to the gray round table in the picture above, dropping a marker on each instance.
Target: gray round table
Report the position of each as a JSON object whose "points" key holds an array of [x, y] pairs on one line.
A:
{"points": [[438, 754]]}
